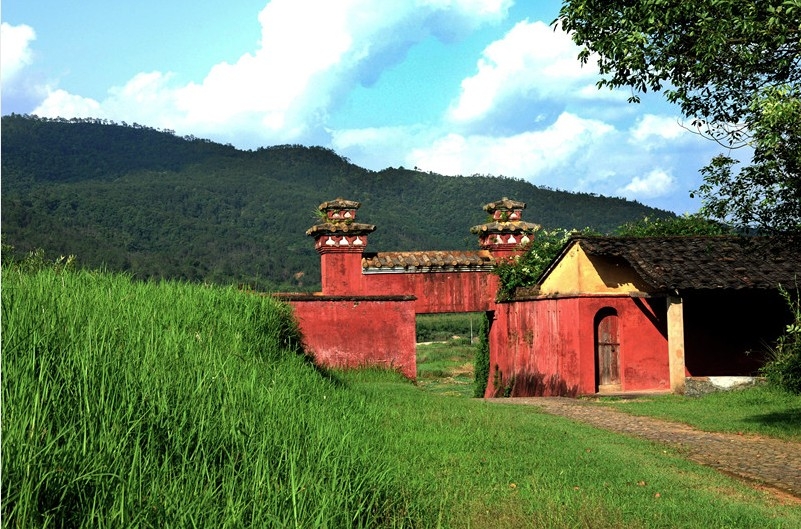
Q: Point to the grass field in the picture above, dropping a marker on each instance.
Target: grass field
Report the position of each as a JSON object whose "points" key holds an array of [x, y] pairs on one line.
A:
{"points": [[446, 368], [760, 410], [508, 466], [131, 404]]}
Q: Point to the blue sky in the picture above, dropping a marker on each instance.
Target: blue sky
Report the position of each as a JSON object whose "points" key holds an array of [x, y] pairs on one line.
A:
{"points": [[451, 86]]}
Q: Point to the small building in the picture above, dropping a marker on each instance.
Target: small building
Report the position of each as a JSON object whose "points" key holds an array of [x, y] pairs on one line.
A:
{"points": [[617, 314]]}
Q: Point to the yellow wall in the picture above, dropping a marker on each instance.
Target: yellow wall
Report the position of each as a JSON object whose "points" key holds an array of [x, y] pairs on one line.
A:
{"points": [[578, 273]]}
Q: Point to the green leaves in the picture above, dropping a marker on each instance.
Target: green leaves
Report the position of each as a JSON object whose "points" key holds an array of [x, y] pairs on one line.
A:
{"points": [[734, 69], [783, 369], [524, 270], [686, 225], [767, 193], [714, 52]]}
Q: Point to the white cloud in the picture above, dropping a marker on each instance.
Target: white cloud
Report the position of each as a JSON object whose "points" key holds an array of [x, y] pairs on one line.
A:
{"points": [[310, 54], [377, 148], [531, 61], [62, 103], [529, 111], [529, 155], [16, 54], [656, 183], [651, 127]]}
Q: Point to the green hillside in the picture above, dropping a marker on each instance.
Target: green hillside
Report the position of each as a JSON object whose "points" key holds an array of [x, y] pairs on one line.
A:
{"points": [[154, 204]]}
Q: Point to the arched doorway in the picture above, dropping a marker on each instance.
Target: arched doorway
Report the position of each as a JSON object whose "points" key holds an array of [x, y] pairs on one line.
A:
{"points": [[607, 351]]}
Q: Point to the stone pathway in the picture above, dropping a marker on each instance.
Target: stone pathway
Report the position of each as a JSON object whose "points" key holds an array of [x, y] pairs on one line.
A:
{"points": [[765, 461]]}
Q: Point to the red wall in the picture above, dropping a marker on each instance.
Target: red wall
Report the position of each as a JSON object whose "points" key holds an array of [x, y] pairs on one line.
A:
{"points": [[358, 331], [437, 292], [369, 319], [547, 346], [341, 273]]}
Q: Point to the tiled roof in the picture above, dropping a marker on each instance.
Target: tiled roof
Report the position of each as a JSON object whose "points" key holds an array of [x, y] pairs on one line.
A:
{"points": [[442, 261], [515, 226], [504, 203], [354, 228], [700, 263], [339, 203]]}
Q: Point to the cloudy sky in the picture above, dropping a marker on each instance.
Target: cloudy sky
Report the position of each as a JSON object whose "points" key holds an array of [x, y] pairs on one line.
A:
{"points": [[450, 86]]}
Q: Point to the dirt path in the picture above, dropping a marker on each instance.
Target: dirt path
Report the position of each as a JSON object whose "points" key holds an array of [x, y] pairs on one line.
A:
{"points": [[760, 460]]}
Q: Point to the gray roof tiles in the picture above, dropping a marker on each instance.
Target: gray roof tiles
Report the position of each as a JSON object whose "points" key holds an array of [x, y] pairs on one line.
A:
{"points": [[431, 261], [726, 262]]}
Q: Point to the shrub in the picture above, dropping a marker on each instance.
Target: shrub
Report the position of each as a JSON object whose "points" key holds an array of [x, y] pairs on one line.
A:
{"points": [[482, 362], [524, 270], [783, 370], [686, 225]]}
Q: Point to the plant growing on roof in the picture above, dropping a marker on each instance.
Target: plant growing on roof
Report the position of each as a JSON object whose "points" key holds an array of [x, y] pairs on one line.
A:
{"points": [[524, 270]]}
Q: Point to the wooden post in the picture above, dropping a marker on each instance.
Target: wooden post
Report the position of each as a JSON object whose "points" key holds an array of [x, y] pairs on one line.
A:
{"points": [[675, 330]]}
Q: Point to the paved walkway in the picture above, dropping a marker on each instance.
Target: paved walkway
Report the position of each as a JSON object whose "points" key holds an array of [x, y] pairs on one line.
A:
{"points": [[769, 462]]}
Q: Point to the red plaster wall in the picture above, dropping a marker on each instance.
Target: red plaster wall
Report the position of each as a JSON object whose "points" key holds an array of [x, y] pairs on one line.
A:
{"points": [[341, 273], [539, 349], [547, 346], [352, 332], [643, 340], [437, 292]]}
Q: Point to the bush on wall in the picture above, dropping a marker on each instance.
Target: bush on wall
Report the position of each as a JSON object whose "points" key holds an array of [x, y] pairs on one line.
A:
{"points": [[482, 361], [783, 370]]}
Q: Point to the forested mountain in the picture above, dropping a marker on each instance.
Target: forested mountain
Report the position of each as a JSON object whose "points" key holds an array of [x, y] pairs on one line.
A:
{"points": [[158, 205]]}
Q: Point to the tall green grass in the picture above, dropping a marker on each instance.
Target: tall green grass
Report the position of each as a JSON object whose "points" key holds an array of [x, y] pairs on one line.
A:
{"points": [[170, 405]]}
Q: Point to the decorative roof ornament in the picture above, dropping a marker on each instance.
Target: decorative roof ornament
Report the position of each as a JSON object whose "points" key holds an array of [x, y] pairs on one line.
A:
{"points": [[337, 218], [506, 230], [504, 205]]}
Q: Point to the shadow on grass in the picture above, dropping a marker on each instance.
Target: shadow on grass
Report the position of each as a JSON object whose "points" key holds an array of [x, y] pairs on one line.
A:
{"points": [[788, 421]]}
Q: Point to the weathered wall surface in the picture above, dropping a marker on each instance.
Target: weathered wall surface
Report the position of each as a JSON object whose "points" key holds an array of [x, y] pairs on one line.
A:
{"points": [[532, 353], [358, 331], [439, 292], [545, 346], [342, 274]]}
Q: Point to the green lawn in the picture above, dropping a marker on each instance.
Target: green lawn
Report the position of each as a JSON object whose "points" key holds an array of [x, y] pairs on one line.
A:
{"points": [[481, 465], [756, 410], [446, 367]]}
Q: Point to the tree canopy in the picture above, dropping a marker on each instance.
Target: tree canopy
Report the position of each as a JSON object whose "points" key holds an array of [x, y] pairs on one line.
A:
{"points": [[732, 67], [684, 226]]}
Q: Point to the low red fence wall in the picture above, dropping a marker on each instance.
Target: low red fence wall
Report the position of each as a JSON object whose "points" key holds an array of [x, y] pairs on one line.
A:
{"points": [[440, 292], [358, 331]]}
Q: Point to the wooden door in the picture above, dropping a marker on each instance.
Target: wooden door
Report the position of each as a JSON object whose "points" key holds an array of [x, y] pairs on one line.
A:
{"points": [[607, 348]]}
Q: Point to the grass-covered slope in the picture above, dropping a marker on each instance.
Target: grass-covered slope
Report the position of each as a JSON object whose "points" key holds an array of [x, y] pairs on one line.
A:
{"points": [[129, 404]]}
